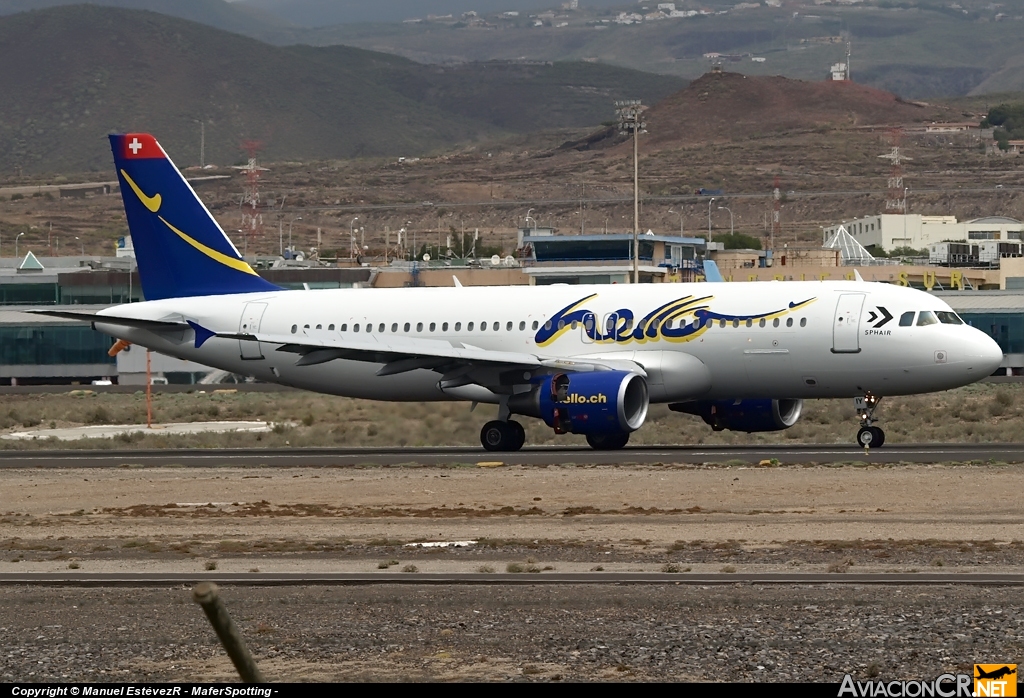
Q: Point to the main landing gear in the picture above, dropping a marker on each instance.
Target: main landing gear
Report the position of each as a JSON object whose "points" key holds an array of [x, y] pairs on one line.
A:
{"points": [[497, 435], [869, 435]]}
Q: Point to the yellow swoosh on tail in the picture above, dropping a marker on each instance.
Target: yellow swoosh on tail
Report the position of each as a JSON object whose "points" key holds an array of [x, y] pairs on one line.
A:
{"points": [[150, 202], [213, 254]]}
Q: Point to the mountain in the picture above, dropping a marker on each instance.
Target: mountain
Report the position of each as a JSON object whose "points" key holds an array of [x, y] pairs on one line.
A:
{"points": [[233, 17], [322, 13], [72, 74]]}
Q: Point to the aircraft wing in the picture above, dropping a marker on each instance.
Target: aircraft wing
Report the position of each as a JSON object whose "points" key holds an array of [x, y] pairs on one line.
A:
{"points": [[457, 361]]}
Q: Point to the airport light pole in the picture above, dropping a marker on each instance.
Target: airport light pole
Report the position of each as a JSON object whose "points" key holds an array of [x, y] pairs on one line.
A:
{"points": [[629, 121], [352, 238], [732, 227], [16, 244], [711, 201], [290, 223], [680, 221]]}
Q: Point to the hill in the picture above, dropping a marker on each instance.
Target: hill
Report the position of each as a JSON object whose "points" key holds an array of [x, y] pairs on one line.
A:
{"points": [[72, 74], [729, 106]]}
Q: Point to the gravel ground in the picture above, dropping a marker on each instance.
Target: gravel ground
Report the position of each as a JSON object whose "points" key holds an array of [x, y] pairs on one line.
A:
{"points": [[398, 633]]}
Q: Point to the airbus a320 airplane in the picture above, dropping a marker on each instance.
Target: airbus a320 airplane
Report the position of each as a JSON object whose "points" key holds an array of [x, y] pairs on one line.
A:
{"points": [[585, 359]]}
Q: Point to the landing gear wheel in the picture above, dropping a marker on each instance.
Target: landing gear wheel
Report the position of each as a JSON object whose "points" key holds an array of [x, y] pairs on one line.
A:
{"points": [[518, 435], [608, 442], [502, 436], [879, 437], [870, 437]]}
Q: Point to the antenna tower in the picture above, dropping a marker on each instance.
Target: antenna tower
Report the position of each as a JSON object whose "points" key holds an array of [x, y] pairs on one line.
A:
{"points": [[776, 214], [896, 200], [252, 214]]}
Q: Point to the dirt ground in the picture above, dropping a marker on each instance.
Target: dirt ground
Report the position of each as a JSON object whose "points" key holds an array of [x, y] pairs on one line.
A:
{"points": [[565, 518]]}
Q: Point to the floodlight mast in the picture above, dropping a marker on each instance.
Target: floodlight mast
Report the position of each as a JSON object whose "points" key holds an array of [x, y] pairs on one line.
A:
{"points": [[629, 120]]}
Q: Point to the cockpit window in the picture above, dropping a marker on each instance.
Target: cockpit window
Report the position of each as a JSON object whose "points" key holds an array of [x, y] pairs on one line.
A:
{"points": [[947, 317], [907, 319], [927, 317]]}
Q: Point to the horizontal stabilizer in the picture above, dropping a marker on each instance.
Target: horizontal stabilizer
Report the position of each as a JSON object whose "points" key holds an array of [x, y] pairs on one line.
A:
{"points": [[138, 323]]}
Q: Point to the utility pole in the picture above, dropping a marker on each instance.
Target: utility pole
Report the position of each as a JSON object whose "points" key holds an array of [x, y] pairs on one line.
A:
{"points": [[629, 120]]}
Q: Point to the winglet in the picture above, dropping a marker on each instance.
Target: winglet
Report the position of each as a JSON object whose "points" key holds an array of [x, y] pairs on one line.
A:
{"points": [[458, 284], [711, 272], [857, 276]]}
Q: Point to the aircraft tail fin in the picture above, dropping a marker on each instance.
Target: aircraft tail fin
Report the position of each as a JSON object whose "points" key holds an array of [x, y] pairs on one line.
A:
{"points": [[711, 272], [180, 248]]}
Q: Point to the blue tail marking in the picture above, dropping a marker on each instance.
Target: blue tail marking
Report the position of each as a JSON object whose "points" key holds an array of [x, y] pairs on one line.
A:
{"points": [[180, 249]]}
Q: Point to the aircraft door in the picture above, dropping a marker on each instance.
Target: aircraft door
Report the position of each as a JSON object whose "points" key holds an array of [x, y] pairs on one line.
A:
{"points": [[252, 316], [846, 325]]}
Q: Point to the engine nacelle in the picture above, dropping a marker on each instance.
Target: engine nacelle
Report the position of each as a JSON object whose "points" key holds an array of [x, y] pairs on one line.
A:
{"points": [[595, 402], [744, 415]]}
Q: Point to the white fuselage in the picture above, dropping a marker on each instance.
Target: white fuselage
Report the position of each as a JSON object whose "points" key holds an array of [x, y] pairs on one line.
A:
{"points": [[836, 342]]}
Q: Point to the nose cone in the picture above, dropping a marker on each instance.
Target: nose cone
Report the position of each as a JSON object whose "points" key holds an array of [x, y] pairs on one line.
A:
{"points": [[983, 354]]}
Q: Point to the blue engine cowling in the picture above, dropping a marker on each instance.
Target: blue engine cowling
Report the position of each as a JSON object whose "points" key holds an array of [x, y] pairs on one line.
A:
{"points": [[744, 415], [595, 402]]}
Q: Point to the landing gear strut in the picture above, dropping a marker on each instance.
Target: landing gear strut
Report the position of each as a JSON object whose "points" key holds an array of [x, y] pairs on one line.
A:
{"points": [[869, 435], [497, 435]]}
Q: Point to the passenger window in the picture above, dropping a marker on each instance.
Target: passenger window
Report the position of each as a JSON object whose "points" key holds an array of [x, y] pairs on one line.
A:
{"points": [[803, 322], [419, 326], [405, 328], [355, 327], [721, 323], [927, 317], [750, 323], [561, 324], [907, 319], [394, 327], [775, 322], [522, 325], [536, 324], [380, 327], [344, 328], [458, 326], [433, 326], [295, 328], [496, 326], [469, 327], [789, 322], [761, 323], [508, 327], [305, 327], [483, 326], [547, 325], [319, 327], [735, 323], [444, 327], [330, 328]]}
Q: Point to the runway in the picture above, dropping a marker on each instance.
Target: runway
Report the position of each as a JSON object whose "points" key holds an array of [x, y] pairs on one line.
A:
{"points": [[538, 456], [547, 579]]}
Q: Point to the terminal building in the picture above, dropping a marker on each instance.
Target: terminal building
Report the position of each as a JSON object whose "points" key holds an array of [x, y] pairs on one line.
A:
{"points": [[890, 231]]}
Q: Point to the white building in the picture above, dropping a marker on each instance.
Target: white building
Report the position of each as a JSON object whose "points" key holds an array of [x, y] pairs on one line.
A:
{"points": [[888, 231]]}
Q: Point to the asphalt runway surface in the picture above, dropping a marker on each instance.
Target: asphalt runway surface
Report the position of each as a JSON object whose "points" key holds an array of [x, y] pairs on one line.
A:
{"points": [[161, 579], [539, 456]]}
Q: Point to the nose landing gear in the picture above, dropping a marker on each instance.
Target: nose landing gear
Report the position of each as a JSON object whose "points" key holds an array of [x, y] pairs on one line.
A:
{"points": [[869, 435]]}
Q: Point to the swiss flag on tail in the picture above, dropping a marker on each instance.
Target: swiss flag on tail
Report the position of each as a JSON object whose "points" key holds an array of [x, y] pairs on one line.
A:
{"points": [[135, 146]]}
